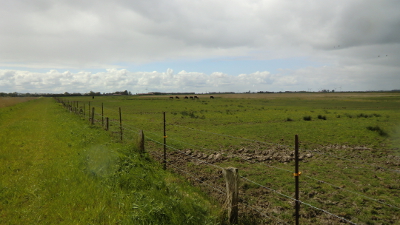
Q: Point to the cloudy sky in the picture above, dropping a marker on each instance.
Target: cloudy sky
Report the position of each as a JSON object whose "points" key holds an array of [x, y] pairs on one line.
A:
{"points": [[59, 46]]}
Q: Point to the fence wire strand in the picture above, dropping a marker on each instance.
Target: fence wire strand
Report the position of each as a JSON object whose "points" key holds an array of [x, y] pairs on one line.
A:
{"points": [[286, 196]]}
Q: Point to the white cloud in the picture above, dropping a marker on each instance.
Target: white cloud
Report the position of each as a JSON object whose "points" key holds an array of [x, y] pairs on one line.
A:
{"points": [[111, 80]]}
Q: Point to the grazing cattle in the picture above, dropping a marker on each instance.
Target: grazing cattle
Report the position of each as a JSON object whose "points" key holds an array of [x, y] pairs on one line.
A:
{"points": [[212, 97], [191, 97], [186, 97], [171, 97], [196, 97], [177, 97]]}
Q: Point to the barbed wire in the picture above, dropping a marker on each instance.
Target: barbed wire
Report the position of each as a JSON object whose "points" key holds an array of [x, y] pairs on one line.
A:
{"points": [[292, 172], [226, 135], [191, 175], [261, 213], [314, 151], [231, 154], [270, 189], [277, 192], [171, 147], [217, 189], [376, 200], [284, 146], [330, 155]]}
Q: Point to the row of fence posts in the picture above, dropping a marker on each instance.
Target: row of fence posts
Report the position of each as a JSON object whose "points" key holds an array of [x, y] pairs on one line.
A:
{"points": [[231, 174], [73, 106]]}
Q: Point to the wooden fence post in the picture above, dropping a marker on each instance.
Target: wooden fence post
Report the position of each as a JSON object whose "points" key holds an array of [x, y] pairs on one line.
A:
{"points": [[106, 123], [296, 177], [141, 142], [231, 176], [165, 145], [92, 116], [120, 122]]}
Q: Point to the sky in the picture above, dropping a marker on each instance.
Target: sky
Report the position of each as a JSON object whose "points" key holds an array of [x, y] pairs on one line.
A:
{"points": [[57, 46]]}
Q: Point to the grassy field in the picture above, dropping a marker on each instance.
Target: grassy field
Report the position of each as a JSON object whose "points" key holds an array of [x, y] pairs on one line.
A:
{"points": [[57, 169], [9, 101], [353, 140]]}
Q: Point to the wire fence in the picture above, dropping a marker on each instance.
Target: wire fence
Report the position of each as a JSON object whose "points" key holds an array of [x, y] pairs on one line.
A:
{"points": [[122, 128]]}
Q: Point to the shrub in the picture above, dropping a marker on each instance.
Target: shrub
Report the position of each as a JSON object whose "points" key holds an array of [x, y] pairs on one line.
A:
{"points": [[289, 119], [321, 117], [307, 118]]}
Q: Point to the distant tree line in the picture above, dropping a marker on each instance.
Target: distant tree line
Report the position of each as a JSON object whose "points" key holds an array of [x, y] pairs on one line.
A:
{"points": [[126, 92], [90, 93]]}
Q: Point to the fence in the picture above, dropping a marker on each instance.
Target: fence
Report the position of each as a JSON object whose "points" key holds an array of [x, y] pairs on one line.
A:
{"points": [[229, 193]]}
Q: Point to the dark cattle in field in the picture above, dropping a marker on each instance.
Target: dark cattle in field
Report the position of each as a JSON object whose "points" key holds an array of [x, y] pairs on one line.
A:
{"points": [[212, 97], [186, 97], [171, 97], [191, 97], [196, 97], [177, 97]]}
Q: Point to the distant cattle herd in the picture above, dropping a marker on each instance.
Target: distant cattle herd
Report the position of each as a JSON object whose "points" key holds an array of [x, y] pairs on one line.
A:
{"points": [[190, 97]]}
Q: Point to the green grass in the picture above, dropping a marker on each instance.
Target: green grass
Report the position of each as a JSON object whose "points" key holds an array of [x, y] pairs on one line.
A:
{"points": [[361, 131], [57, 169]]}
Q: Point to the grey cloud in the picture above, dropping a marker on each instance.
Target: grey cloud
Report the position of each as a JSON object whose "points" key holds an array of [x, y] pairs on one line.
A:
{"points": [[67, 34]]}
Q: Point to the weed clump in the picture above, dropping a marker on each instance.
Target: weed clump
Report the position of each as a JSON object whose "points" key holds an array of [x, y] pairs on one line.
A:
{"points": [[379, 130], [321, 117], [348, 115], [191, 114], [362, 115], [307, 118], [289, 119]]}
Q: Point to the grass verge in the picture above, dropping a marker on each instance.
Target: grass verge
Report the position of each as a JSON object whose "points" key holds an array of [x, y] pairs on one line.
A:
{"points": [[56, 169]]}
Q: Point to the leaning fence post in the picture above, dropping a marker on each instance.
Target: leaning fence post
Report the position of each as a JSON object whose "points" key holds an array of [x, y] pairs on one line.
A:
{"points": [[141, 142], [296, 176], [231, 176]]}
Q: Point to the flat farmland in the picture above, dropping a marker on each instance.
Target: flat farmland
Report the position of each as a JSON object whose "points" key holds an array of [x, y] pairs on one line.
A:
{"points": [[349, 149], [9, 101]]}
